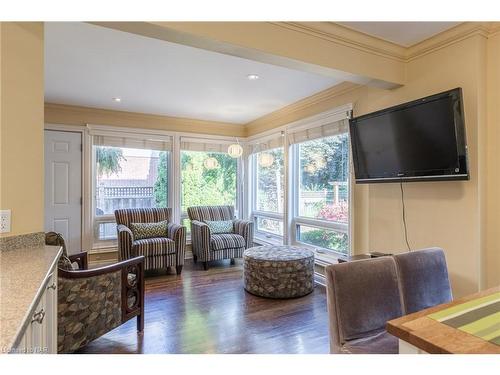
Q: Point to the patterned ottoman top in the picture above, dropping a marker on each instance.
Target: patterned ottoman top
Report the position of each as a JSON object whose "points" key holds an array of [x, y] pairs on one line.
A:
{"points": [[277, 253]]}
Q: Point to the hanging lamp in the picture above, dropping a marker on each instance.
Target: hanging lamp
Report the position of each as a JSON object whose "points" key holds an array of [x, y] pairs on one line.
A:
{"points": [[235, 150], [211, 163], [266, 159]]}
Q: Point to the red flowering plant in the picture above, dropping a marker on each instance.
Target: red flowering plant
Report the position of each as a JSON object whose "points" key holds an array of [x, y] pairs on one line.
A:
{"points": [[335, 212]]}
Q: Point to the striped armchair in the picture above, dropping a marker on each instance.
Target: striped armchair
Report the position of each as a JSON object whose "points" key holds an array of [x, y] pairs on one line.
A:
{"points": [[159, 252], [207, 246]]}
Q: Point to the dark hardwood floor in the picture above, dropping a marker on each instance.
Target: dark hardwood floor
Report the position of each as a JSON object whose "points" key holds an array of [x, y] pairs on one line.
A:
{"points": [[210, 312]]}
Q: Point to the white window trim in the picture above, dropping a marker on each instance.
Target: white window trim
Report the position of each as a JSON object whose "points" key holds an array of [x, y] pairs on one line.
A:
{"points": [[290, 220], [244, 168], [175, 189], [263, 236], [318, 223]]}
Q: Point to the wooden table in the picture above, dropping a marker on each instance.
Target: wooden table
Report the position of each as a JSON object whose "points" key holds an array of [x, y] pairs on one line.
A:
{"points": [[418, 333]]}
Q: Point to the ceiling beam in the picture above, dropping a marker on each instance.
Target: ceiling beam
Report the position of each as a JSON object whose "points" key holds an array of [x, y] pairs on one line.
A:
{"points": [[291, 45]]}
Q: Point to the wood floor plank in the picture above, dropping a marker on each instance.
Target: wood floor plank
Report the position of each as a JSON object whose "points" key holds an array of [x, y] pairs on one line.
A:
{"points": [[209, 312]]}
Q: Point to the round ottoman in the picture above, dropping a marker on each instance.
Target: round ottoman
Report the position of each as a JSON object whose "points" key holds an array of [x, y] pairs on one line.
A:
{"points": [[278, 271]]}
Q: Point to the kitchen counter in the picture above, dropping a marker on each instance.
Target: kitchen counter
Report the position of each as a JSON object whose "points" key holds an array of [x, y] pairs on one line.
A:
{"points": [[24, 273]]}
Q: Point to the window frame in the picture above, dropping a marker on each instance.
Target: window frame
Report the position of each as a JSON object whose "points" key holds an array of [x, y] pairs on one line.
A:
{"points": [[255, 213], [183, 215], [103, 244], [297, 220]]}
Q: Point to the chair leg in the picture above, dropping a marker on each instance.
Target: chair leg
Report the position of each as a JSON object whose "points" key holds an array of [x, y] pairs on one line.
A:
{"points": [[140, 322], [178, 269], [205, 266], [195, 258], [233, 261]]}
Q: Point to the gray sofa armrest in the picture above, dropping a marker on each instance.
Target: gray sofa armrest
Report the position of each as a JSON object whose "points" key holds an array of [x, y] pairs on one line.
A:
{"points": [[200, 240], [125, 240], [177, 233], [245, 229]]}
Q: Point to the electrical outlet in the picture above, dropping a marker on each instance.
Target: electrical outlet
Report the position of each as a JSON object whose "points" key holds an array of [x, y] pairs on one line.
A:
{"points": [[4, 221]]}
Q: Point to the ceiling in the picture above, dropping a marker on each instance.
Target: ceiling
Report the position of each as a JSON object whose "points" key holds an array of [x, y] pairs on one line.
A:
{"points": [[405, 34], [88, 65]]}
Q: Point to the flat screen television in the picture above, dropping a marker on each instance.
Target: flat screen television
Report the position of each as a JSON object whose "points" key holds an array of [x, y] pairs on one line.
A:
{"points": [[422, 140]]}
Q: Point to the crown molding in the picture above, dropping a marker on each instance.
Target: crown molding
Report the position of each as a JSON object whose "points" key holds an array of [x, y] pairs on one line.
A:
{"points": [[348, 37], [370, 44], [279, 117], [79, 115], [448, 37]]}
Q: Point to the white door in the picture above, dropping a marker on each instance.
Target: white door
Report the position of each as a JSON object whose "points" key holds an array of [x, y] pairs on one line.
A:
{"points": [[63, 186]]}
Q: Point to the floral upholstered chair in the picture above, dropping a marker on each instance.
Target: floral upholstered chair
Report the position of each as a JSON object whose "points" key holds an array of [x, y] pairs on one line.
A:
{"points": [[216, 234], [150, 232], [92, 302]]}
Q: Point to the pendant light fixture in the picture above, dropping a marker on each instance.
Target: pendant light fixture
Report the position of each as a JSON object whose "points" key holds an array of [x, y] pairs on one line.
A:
{"points": [[235, 150], [211, 163], [266, 159]]}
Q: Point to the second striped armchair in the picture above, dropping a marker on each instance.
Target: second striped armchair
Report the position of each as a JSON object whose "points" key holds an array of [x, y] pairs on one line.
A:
{"points": [[208, 246], [159, 252]]}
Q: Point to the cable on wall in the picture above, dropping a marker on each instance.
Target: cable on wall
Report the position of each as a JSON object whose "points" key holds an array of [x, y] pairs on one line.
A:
{"points": [[404, 215]]}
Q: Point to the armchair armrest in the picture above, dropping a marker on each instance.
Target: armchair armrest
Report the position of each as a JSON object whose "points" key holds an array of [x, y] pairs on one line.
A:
{"points": [[125, 240], [200, 240], [78, 274], [124, 285], [177, 233], [81, 259], [245, 229]]}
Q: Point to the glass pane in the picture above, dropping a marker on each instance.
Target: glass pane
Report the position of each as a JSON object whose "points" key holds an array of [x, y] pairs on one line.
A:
{"points": [[187, 223], [324, 178], [269, 168], [130, 178], [207, 183], [326, 238], [106, 231], [271, 226]]}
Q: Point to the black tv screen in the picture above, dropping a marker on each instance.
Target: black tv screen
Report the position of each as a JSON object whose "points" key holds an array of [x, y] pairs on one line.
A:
{"points": [[417, 141]]}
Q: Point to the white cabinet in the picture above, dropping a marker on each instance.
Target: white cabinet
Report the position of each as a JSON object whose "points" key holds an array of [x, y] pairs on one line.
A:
{"points": [[40, 329]]}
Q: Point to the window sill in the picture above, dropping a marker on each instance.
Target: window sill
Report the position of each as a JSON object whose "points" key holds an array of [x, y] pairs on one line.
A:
{"points": [[325, 258], [267, 241]]}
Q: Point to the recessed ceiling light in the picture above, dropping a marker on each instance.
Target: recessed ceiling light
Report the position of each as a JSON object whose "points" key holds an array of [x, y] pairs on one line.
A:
{"points": [[253, 77], [117, 100]]}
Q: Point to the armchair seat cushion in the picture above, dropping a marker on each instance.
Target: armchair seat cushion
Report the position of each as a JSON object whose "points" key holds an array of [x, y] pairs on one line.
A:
{"points": [[150, 247], [381, 343], [226, 241]]}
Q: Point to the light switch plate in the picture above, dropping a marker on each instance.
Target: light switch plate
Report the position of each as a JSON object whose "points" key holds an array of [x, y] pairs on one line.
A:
{"points": [[5, 221]]}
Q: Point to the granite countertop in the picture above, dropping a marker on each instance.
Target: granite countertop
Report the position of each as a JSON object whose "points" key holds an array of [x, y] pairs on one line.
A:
{"points": [[23, 274]]}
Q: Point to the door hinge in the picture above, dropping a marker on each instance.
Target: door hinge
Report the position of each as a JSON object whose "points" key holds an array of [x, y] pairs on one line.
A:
{"points": [[81, 201], [81, 146]]}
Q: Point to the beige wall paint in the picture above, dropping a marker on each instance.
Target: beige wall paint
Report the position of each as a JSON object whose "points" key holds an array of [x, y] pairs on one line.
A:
{"points": [[76, 115], [461, 217], [492, 244], [21, 134], [318, 47], [445, 214]]}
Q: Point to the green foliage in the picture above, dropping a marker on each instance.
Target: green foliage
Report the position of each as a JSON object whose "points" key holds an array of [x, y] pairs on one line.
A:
{"points": [[108, 160], [270, 182], [327, 239], [201, 186], [160, 189], [329, 156]]}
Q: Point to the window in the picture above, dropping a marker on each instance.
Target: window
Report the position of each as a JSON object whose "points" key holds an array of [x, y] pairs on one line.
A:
{"points": [[322, 192], [207, 178], [136, 176], [267, 188]]}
